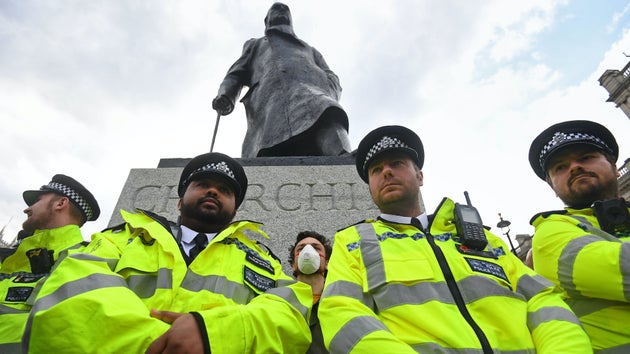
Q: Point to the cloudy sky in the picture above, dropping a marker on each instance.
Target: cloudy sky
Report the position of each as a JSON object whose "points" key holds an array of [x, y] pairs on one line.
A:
{"points": [[93, 89]]}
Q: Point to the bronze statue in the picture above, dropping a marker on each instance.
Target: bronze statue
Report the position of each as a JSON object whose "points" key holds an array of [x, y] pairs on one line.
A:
{"points": [[292, 102]]}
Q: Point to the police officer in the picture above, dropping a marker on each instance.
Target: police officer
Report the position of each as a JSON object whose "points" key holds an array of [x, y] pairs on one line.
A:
{"points": [[585, 248], [55, 213], [308, 258], [199, 285], [409, 282]]}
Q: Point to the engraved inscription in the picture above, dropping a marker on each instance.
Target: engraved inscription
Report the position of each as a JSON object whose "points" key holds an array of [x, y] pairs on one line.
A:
{"points": [[154, 198], [254, 195], [288, 197]]}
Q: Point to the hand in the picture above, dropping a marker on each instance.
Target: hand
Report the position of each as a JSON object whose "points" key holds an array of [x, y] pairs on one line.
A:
{"points": [[222, 105], [182, 337]]}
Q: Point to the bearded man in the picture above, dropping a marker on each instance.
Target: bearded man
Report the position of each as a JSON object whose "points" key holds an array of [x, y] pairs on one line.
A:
{"points": [[585, 248], [200, 285]]}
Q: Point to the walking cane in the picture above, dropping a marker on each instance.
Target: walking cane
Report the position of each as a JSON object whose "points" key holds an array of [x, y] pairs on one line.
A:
{"points": [[216, 127]]}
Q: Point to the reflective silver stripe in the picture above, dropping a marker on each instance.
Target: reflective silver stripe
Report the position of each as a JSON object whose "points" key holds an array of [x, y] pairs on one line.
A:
{"points": [[530, 286], [352, 290], [622, 349], [66, 291], [550, 313], [478, 287], [624, 255], [111, 262], [11, 347], [78, 287], [392, 295], [285, 282], [78, 245], [472, 288], [585, 306], [8, 310], [567, 261], [145, 285], [353, 331], [289, 295], [625, 268], [434, 348], [588, 227], [372, 256], [239, 293]]}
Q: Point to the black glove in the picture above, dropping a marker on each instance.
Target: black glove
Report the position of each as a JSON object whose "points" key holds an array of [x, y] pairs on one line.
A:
{"points": [[223, 105]]}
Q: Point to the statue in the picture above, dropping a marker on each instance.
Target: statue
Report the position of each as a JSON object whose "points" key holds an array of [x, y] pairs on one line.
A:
{"points": [[292, 102]]}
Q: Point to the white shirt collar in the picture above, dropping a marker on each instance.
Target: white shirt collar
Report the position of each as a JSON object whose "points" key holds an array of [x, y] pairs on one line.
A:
{"points": [[188, 235], [424, 219]]}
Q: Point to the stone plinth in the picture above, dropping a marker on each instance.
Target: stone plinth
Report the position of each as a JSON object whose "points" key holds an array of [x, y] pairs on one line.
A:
{"points": [[287, 194]]}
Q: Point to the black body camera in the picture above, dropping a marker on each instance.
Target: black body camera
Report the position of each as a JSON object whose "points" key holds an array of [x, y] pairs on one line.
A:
{"points": [[613, 216], [41, 260], [469, 226]]}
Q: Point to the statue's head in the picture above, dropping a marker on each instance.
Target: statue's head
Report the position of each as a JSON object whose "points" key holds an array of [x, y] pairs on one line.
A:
{"points": [[278, 14]]}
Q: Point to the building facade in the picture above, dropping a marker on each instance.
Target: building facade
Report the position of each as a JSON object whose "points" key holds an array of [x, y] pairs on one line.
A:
{"points": [[617, 83]]}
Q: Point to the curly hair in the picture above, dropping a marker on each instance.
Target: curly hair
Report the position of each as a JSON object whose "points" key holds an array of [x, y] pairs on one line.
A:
{"points": [[304, 234]]}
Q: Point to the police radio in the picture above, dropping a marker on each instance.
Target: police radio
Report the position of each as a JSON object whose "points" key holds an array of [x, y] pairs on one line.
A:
{"points": [[469, 226]]}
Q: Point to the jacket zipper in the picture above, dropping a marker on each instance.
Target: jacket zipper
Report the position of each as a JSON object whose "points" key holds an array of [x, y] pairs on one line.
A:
{"points": [[457, 295]]}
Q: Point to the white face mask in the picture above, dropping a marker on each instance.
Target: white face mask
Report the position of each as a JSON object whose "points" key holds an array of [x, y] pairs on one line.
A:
{"points": [[308, 260]]}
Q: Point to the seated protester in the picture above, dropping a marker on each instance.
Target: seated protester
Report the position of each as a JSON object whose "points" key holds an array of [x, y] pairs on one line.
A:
{"points": [[197, 286], [410, 282], [54, 215], [585, 248], [309, 257]]}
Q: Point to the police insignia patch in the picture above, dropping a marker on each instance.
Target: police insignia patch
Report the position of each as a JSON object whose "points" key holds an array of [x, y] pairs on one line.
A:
{"points": [[486, 254], [258, 261], [18, 293], [27, 278], [260, 282], [486, 267]]}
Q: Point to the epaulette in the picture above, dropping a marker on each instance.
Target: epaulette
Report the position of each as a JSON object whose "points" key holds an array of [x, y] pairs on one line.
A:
{"points": [[357, 223], [115, 228], [273, 255], [167, 224], [545, 214]]}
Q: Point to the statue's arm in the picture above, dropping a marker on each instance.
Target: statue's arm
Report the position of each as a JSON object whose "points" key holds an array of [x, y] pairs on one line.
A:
{"points": [[333, 80], [237, 76]]}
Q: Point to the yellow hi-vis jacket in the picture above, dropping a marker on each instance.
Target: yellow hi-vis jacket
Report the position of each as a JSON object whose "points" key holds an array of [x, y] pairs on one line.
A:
{"points": [[99, 300], [17, 279], [393, 288], [593, 269]]}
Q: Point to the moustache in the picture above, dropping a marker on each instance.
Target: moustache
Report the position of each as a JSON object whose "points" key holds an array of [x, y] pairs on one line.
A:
{"points": [[390, 182], [209, 199], [577, 175]]}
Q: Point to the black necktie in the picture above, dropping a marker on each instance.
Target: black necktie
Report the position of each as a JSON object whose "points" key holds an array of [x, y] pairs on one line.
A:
{"points": [[415, 222], [201, 240]]}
